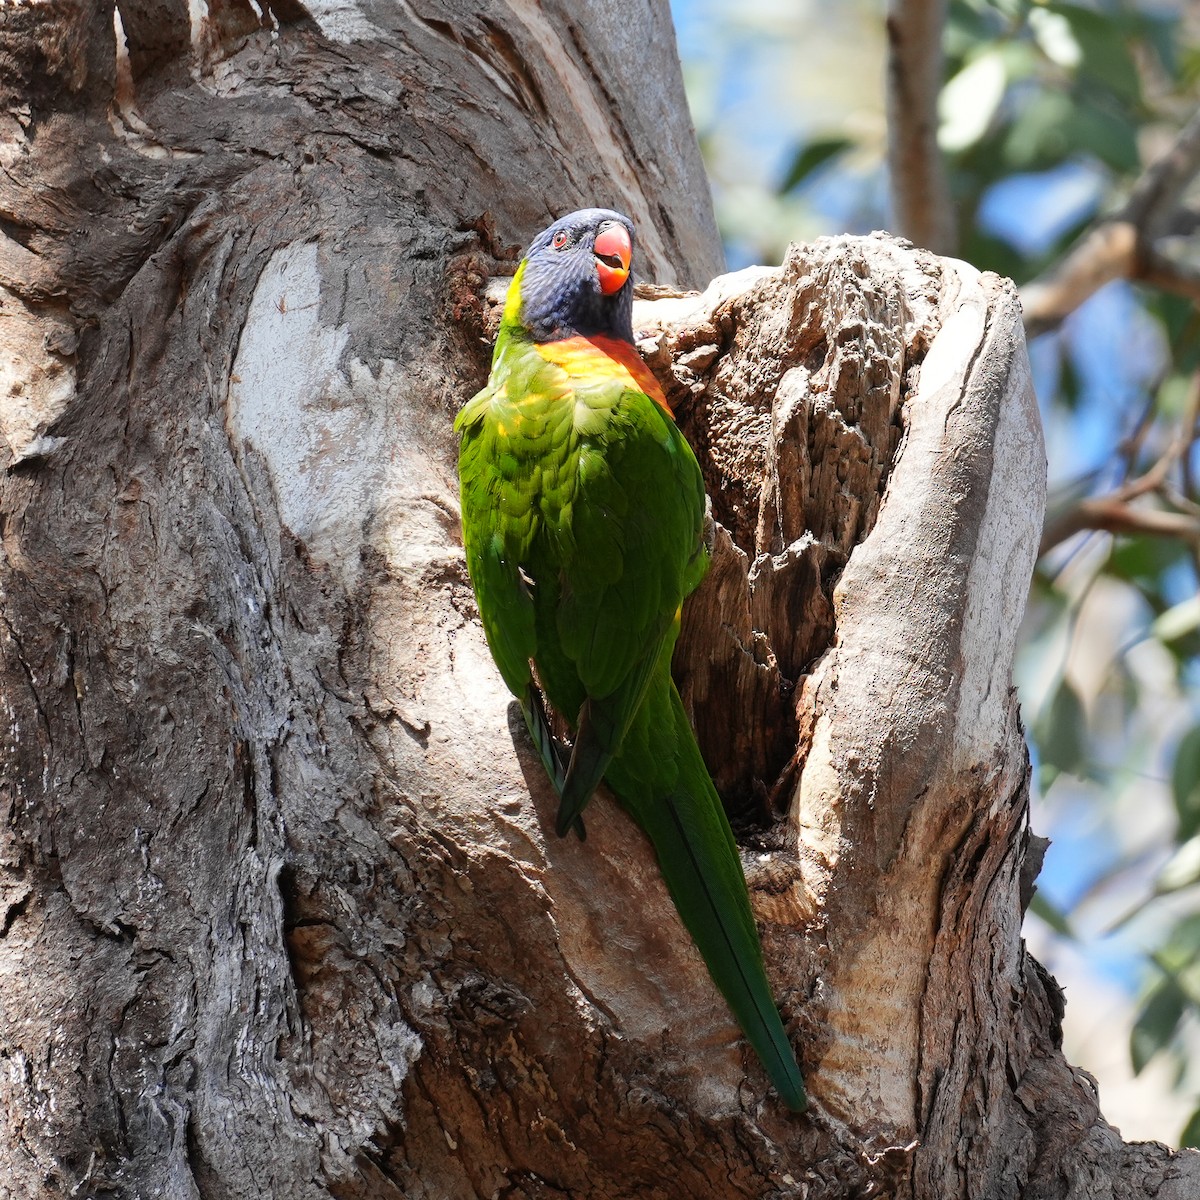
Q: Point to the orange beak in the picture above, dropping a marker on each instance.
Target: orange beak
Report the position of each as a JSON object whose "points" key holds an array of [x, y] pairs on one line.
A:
{"points": [[613, 253]]}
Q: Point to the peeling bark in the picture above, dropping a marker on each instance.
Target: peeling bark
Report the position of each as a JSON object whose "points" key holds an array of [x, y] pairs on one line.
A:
{"points": [[282, 910]]}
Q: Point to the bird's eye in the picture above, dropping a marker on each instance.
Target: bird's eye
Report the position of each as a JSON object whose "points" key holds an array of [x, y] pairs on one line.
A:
{"points": [[560, 240]]}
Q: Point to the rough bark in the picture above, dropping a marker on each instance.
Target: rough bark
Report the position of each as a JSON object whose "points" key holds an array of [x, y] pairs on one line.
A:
{"points": [[282, 912]]}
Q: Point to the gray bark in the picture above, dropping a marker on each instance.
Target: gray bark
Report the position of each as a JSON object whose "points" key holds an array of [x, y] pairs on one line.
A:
{"points": [[922, 206], [283, 912]]}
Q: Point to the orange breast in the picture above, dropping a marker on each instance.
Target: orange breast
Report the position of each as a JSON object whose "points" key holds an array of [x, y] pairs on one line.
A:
{"points": [[602, 357]]}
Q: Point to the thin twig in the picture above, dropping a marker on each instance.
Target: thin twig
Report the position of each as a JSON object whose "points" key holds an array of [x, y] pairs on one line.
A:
{"points": [[1116, 513], [1187, 483], [1117, 516], [1130, 447], [1156, 194], [1125, 245], [1168, 274]]}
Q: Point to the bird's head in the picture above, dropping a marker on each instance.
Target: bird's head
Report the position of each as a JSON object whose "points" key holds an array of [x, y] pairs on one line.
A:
{"points": [[576, 278]]}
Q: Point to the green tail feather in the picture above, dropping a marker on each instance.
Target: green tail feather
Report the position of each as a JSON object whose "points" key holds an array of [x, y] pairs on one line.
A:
{"points": [[699, 862], [734, 961]]}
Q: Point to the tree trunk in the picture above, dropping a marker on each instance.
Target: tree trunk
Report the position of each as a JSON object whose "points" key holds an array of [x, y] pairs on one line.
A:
{"points": [[283, 914]]}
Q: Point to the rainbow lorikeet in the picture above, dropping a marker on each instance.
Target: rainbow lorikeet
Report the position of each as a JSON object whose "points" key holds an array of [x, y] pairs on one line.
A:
{"points": [[583, 520]]}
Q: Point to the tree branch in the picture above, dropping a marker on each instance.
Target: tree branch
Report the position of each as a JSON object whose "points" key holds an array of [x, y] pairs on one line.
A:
{"points": [[1128, 245], [1110, 514], [921, 199], [1116, 512]]}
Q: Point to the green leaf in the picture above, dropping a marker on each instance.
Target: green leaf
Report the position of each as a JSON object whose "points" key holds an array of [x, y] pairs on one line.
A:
{"points": [[966, 26], [970, 99], [1178, 621], [1185, 784], [1061, 734], [1182, 946], [1051, 126], [811, 156], [1161, 32], [1110, 136], [1070, 386], [1191, 1131], [1054, 36], [1036, 137], [1182, 324], [1156, 1023], [1174, 395], [1013, 9], [1181, 870], [1143, 561], [1189, 66], [1051, 914], [1104, 46]]}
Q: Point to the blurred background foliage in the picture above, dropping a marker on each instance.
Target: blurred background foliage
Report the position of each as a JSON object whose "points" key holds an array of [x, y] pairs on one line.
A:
{"points": [[1048, 115]]}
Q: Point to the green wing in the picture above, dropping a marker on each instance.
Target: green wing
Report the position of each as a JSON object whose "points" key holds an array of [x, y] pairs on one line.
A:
{"points": [[509, 433], [630, 552]]}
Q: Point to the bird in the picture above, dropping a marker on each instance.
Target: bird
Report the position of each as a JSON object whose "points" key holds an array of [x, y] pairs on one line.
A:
{"points": [[583, 514]]}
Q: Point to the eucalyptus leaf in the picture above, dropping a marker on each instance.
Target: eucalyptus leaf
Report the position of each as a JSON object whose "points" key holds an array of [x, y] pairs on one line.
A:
{"points": [[1051, 914], [1182, 868], [970, 99], [1143, 561], [810, 157], [1185, 783], [1191, 1131], [1061, 735], [1104, 45], [1177, 621], [1156, 1023]]}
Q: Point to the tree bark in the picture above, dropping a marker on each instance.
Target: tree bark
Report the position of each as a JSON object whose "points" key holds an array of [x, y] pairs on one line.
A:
{"points": [[283, 913], [922, 204]]}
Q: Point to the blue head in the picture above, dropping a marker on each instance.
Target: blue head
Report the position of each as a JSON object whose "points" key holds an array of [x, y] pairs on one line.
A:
{"points": [[577, 278]]}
